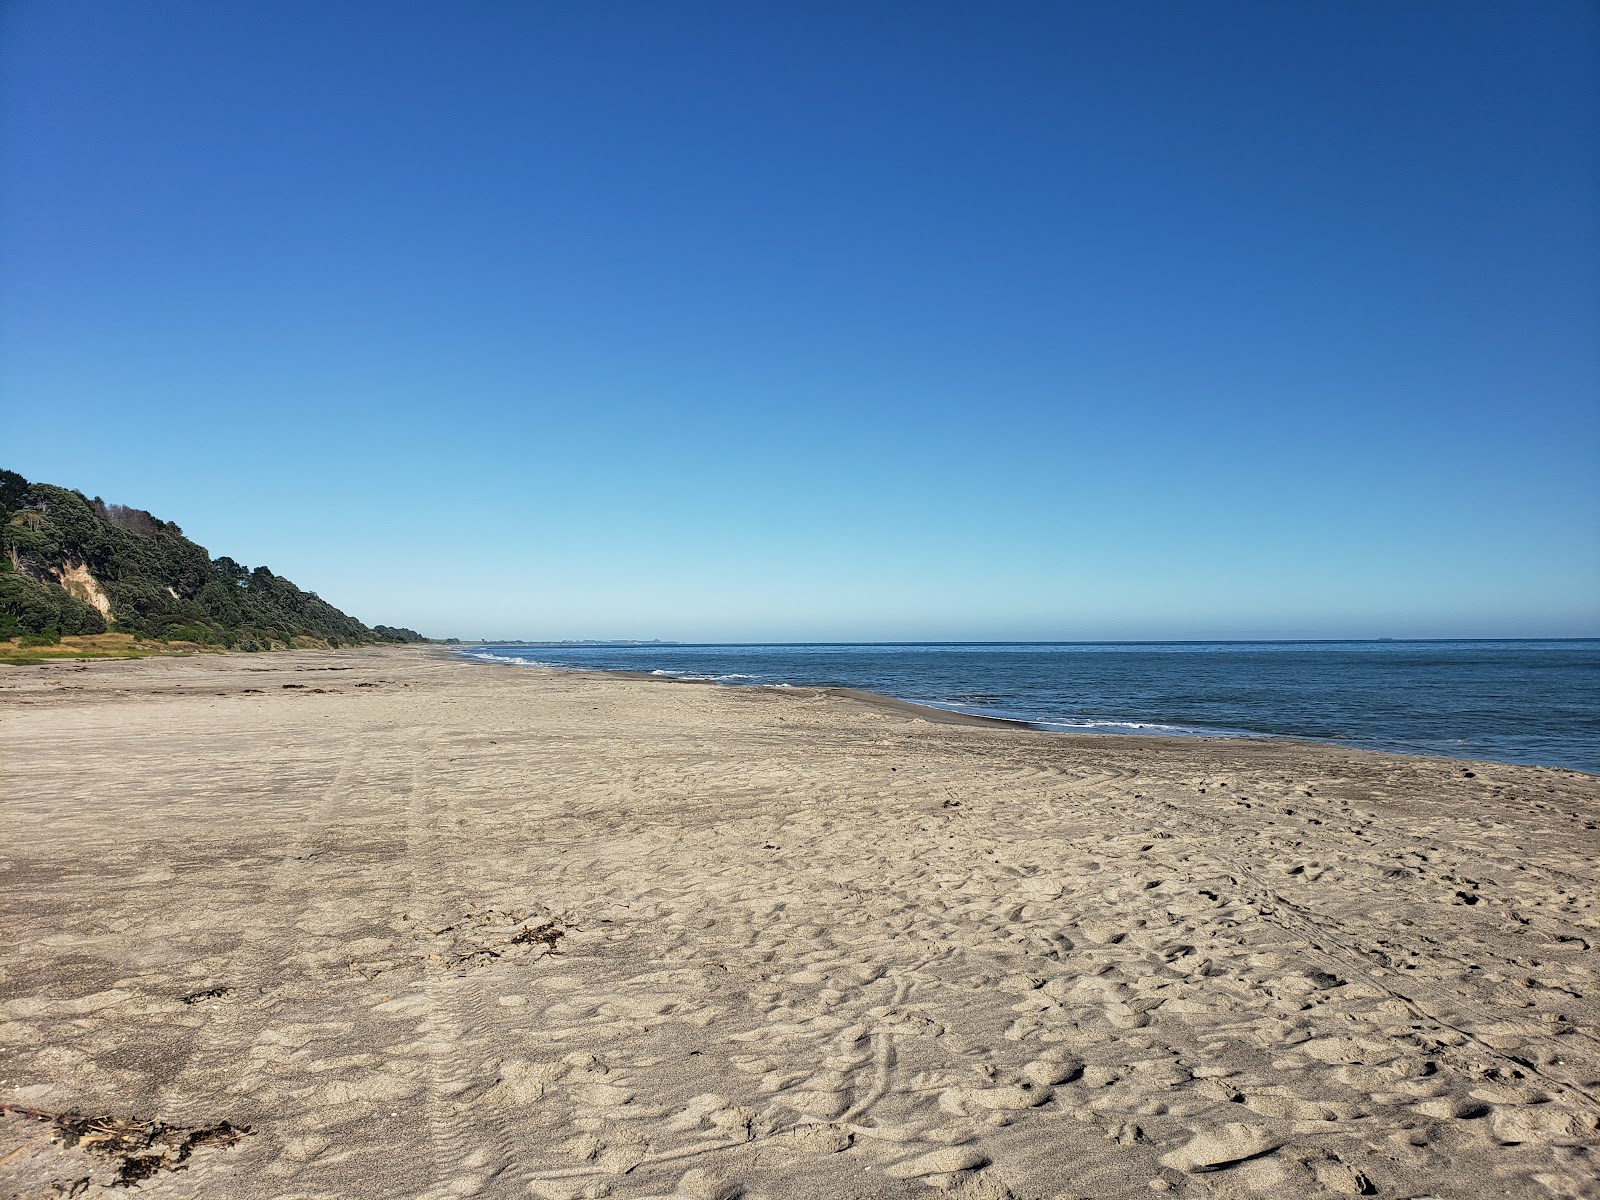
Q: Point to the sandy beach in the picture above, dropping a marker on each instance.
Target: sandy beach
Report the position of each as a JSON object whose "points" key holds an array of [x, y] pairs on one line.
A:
{"points": [[386, 923]]}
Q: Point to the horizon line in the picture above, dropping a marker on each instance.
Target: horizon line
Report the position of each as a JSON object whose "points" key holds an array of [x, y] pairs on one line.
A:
{"points": [[650, 643]]}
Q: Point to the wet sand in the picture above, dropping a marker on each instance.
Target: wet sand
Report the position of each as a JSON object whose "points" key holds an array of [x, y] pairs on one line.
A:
{"points": [[430, 928]]}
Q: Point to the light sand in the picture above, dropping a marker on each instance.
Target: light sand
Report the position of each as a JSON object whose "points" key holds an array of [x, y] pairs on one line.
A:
{"points": [[455, 930]]}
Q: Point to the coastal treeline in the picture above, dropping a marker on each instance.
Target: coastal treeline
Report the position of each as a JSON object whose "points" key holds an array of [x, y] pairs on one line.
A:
{"points": [[74, 565]]}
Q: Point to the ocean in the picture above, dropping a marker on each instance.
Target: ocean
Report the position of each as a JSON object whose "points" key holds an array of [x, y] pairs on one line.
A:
{"points": [[1534, 702]]}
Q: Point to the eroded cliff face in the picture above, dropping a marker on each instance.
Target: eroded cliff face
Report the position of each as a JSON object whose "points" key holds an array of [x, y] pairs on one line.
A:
{"points": [[76, 578]]}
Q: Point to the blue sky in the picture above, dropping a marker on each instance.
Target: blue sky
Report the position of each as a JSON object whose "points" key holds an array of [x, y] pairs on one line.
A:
{"points": [[826, 321]]}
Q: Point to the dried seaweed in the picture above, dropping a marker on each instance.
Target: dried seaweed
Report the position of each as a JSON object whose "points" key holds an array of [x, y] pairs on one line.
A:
{"points": [[547, 934], [136, 1150], [477, 940], [480, 937], [484, 925], [216, 993]]}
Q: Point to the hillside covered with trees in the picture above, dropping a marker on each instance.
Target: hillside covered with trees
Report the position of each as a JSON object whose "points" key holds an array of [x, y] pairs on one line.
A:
{"points": [[72, 565]]}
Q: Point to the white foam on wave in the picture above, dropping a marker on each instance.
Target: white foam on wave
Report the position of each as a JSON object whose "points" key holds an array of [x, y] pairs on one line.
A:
{"points": [[517, 660], [1141, 726], [1049, 725], [697, 677], [1148, 728], [1077, 724], [511, 660]]}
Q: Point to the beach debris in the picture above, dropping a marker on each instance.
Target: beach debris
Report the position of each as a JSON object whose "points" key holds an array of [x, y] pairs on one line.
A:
{"points": [[215, 993], [479, 937], [545, 934], [135, 1150], [486, 934]]}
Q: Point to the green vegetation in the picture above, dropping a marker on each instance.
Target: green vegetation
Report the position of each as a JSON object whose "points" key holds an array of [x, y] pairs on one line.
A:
{"points": [[35, 648], [75, 567]]}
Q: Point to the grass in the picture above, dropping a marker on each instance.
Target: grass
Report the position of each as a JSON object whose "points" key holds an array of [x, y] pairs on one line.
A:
{"points": [[87, 646], [120, 645]]}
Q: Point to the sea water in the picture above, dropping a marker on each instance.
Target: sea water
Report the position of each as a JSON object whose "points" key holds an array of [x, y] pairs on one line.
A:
{"points": [[1510, 701]]}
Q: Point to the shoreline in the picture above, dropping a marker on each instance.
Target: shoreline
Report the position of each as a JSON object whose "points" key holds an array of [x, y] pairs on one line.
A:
{"points": [[426, 930], [874, 700], [882, 703], [885, 703]]}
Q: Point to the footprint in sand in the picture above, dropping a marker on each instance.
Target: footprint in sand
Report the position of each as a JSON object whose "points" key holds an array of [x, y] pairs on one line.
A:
{"points": [[1216, 1149], [950, 1161]]}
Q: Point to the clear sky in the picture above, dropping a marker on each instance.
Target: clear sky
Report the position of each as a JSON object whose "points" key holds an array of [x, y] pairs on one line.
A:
{"points": [[825, 320]]}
